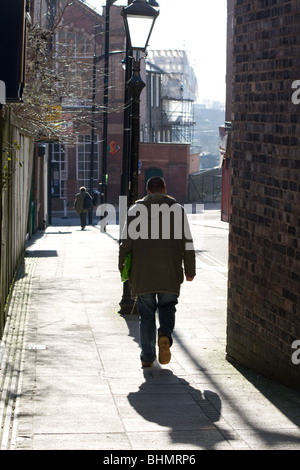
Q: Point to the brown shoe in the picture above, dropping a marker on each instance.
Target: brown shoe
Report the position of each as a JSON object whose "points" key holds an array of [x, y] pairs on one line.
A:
{"points": [[164, 353]]}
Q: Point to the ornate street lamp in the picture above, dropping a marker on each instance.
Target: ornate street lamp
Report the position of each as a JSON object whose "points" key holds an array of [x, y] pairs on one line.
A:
{"points": [[139, 18]]}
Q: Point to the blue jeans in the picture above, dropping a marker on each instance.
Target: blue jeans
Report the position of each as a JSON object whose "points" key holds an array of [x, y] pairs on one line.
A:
{"points": [[147, 305]]}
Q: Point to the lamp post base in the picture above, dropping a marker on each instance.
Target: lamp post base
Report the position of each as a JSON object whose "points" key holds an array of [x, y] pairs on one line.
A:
{"points": [[127, 304]]}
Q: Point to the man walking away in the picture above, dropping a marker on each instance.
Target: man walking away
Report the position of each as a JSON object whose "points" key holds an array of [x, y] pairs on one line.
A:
{"points": [[83, 204], [158, 236]]}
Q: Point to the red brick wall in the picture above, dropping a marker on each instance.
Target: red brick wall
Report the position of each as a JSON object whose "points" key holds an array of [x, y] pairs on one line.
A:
{"points": [[264, 240], [173, 160]]}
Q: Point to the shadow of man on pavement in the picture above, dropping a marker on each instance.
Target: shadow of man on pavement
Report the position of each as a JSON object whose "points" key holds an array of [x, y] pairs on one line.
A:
{"points": [[188, 414]]}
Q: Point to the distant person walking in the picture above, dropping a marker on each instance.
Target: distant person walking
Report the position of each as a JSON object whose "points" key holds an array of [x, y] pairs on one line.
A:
{"points": [[83, 204], [158, 236]]}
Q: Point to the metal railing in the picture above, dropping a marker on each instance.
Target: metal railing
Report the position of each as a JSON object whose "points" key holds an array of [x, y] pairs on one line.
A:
{"points": [[16, 155]]}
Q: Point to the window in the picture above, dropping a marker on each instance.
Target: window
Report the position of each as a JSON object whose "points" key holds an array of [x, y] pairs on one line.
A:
{"points": [[74, 63], [84, 160], [73, 44], [59, 170], [152, 91], [157, 90]]}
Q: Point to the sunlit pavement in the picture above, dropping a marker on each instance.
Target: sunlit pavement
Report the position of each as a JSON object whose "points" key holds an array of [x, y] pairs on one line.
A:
{"points": [[70, 371]]}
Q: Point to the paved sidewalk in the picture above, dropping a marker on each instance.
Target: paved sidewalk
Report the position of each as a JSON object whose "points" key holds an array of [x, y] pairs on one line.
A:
{"points": [[70, 369]]}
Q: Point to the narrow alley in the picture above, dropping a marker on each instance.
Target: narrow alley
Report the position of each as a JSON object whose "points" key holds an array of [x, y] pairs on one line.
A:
{"points": [[70, 371]]}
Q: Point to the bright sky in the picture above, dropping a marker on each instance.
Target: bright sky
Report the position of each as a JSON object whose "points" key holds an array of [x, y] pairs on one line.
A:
{"points": [[199, 27]]}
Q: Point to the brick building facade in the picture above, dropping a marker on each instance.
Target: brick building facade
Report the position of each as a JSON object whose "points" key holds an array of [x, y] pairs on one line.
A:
{"points": [[264, 238], [70, 165]]}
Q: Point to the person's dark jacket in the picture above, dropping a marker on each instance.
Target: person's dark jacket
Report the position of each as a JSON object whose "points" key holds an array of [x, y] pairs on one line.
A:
{"points": [[159, 260], [79, 202]]}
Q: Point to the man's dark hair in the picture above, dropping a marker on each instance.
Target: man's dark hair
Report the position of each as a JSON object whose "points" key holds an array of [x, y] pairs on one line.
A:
{"points": [[156, 184]]}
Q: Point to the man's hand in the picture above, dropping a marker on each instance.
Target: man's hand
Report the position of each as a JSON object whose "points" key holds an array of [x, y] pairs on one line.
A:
{"points": [[189, 278]]}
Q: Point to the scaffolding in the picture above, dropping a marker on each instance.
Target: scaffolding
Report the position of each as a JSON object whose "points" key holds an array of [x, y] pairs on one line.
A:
{"points": [[178, 93]]}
